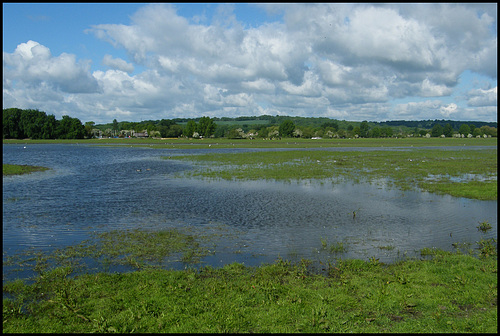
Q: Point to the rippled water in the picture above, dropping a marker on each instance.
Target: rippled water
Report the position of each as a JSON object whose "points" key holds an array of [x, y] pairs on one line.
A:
{"points": [[93, 188]]}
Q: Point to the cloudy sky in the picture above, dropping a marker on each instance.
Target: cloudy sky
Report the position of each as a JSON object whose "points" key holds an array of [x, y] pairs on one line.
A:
{"points": [[133, 62]]}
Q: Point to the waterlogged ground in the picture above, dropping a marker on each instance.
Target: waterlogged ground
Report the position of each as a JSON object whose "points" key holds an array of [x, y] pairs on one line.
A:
{"points": [[95, 198]]}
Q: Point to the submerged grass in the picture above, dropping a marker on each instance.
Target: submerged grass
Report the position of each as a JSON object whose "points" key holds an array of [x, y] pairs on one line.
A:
{"points": [[448, 293], [460, 173], [130, 249]]}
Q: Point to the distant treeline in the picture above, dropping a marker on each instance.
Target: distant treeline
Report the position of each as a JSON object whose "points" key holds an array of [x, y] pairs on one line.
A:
{"points": [[34, 124], [20, 124], [267, 126]]}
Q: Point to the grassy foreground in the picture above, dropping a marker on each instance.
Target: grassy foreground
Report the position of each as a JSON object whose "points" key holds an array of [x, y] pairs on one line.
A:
{"points": [[449, 293], [10, 169]]}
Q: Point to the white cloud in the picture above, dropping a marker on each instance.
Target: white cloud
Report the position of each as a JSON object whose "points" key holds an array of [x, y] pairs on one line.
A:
{"points": [[322, 60], [429, 89], [32, 64], [447, 110], [117, 64], [482, 97]]}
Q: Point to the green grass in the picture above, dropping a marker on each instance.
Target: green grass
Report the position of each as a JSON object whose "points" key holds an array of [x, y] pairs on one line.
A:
{"points": [[262, 143], [10, 169], [448, 293], [433, 170]]}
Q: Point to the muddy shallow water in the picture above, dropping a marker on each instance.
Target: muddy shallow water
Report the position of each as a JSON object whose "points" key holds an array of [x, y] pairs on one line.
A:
{"points": [[94, 188]]}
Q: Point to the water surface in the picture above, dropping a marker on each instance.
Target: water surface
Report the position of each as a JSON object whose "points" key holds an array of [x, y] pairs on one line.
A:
{"points": [[93, 188]]}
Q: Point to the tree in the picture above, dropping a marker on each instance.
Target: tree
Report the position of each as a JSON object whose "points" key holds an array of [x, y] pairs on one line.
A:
{"points": [[189, 129], [49, 128], [89, 126], [363, 129], [386, 131], [11, 124], [206, 127], [376, 132], [464, 129], [448, 130], [286, 128], [492, 131], [472, 128], [437, 130], [70, 128], [332, 124], [115, 126]]}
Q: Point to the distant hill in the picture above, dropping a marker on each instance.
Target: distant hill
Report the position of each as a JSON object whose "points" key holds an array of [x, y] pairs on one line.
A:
{"points": [[248, 122]]}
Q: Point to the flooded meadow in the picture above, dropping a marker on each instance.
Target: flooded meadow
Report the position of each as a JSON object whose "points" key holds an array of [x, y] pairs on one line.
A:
{"points": [[90, 191]]}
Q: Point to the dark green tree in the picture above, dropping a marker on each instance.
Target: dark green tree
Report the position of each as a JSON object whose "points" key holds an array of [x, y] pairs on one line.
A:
{"points": [[70, 128], [363, 129], [49, 128], [286, 128], [437, 130], [464, 129], [206, 127], [386, 131], [448, 130], [11, 124], [115, 127], [189, 129], [174, 131], [376, 132], [332, 124]]}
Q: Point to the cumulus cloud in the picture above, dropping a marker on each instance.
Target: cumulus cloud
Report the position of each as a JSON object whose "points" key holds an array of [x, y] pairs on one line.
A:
{"points": [[117, 63], [337, 60], [32, 64], [447, 110], [482, 97]]}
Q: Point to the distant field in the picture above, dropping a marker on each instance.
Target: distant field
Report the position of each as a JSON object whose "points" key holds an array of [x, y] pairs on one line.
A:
{"points": [[283, 143]]}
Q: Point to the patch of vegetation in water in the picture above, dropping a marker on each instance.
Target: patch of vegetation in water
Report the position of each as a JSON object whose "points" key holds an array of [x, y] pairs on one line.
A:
{"points": [[132, 249], [407, 169], [12, 169]]}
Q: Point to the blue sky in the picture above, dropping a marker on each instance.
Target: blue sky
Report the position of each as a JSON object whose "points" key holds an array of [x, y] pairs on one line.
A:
{"points": [[100, 62]]}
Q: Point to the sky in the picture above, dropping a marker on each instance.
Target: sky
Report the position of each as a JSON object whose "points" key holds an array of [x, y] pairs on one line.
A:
{"points": [[136, 61]]}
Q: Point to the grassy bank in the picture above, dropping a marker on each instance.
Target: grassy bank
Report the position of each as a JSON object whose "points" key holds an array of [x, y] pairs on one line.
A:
{"points": [[442, 292], [448, 293], [460, 173], [10, 169]]}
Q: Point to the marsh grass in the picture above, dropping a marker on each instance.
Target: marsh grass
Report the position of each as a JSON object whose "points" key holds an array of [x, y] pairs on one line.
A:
{"points": [[447, 293], [11, 169], [484, 226], [405, 169], [335, 247], [132, 249]]}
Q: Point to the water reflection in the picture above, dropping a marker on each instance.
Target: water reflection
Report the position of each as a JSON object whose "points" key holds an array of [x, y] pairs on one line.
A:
{"points": [[100, 189]]}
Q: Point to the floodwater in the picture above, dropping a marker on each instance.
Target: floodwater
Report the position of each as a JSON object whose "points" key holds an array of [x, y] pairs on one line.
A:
{"points": [[97, 188]]}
